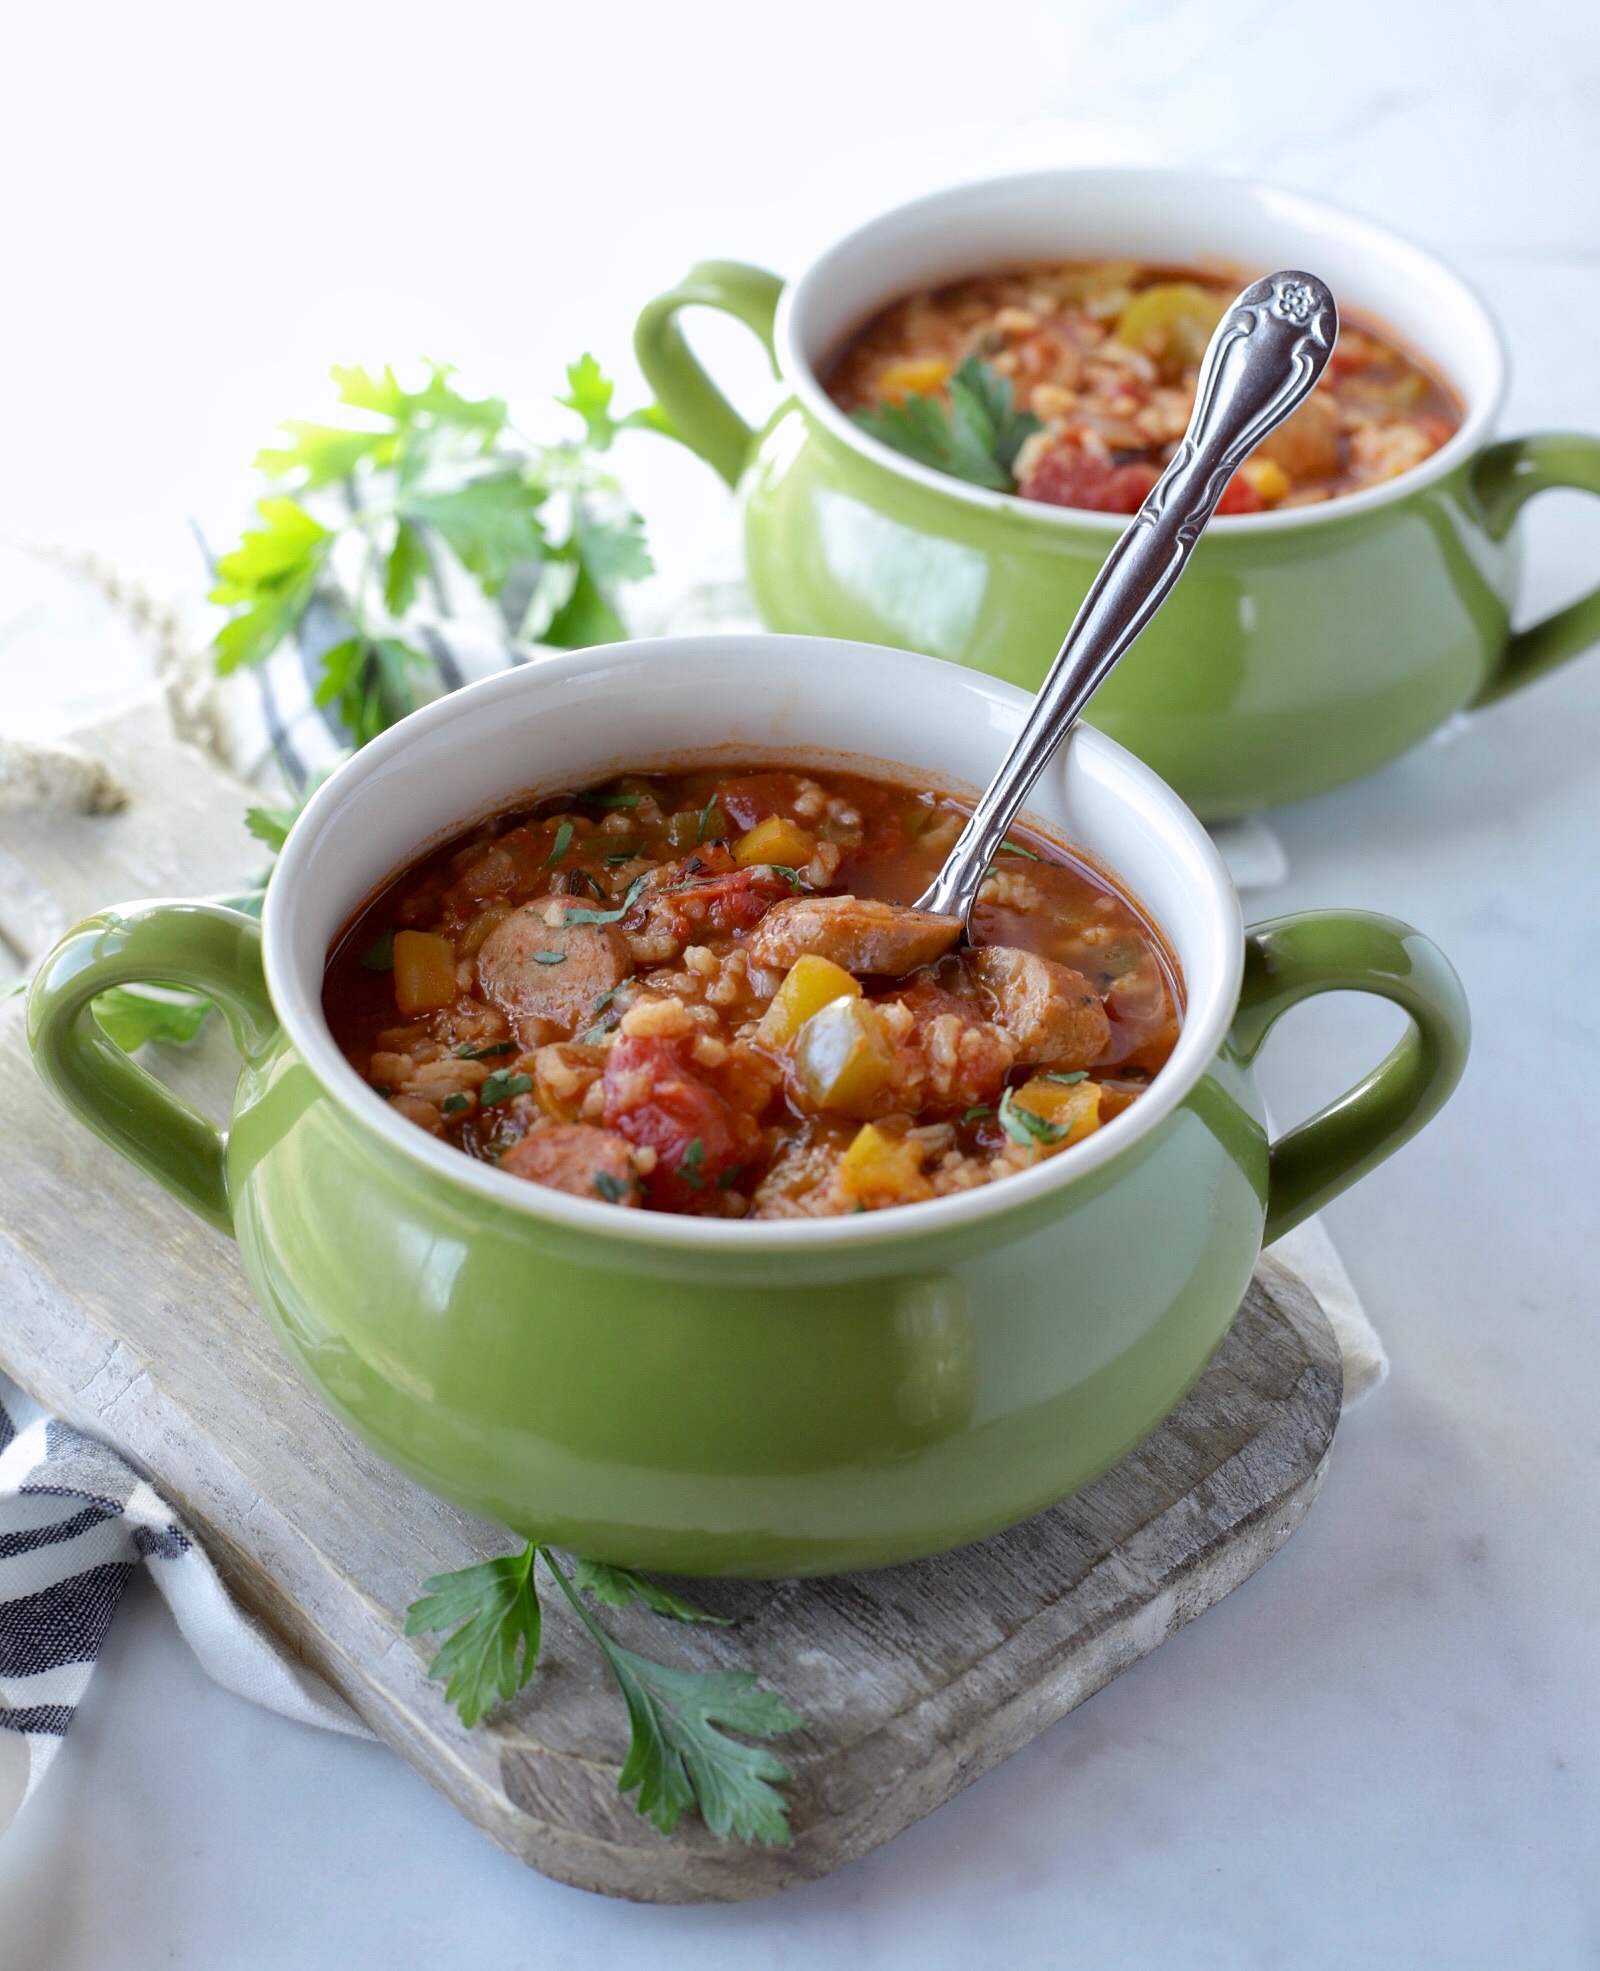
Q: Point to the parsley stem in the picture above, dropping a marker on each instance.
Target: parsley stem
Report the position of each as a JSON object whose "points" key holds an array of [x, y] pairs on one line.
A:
{"points": [[601, 1639]]}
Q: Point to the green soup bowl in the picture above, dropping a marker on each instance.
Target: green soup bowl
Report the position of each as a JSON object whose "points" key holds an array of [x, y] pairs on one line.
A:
{"points": [[715, 1397], [1305, 647]]}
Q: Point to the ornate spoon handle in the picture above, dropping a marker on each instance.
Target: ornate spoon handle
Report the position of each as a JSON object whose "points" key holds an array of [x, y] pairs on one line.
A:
{"points": [[1267, 353]]}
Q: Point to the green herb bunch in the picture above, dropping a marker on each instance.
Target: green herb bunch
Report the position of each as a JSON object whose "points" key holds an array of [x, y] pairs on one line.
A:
{"points": [[423, 498], [680, 1755]]}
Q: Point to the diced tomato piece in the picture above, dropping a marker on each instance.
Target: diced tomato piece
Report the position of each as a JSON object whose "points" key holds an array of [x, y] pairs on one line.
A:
{"points": [[706, 896], [656, 1100], [984, 1063], [1240, 497], [1070, 477]]}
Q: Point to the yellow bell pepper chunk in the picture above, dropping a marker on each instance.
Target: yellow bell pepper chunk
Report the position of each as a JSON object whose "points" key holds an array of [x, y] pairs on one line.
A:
{"points": [[1072, 1107], [842, 1057], [424, 972], [810, 983], [1267, 477], [479, 931], [882, 1169], [777, 839], [923, 374], [1171, 322]]}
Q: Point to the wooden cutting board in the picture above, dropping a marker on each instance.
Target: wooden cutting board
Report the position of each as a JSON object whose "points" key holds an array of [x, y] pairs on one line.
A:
{"points": [[131, 1319]]}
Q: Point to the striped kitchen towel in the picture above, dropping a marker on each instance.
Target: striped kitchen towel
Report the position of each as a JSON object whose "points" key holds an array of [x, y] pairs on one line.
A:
{"points": [[75, 1521]]}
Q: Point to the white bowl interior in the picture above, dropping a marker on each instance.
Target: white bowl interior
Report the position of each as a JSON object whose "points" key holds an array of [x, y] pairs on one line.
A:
{"points": [[566, 721], [1183, 216]]}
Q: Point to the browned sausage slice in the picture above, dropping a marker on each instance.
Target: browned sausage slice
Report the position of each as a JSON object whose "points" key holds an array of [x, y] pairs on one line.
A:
{"points": [[865, 936], [546, 977], [1051, 1012], [577, 1158]]}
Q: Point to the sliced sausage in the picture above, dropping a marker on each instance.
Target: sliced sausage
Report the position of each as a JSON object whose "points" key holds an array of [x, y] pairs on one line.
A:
{"points": [[546, 978], [1050, 1012], [865, 936], [577, 1158]]}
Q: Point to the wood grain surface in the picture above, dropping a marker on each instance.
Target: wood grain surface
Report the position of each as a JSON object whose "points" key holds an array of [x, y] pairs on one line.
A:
{"points": [[131, 1319]]}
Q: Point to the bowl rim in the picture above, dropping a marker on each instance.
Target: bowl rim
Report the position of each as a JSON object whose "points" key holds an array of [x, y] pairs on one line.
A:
{"points": [[1204, 1027], [1469, 437]]}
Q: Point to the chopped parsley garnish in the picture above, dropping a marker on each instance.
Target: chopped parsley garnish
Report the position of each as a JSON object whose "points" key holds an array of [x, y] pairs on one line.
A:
{"points": [[608, 916], [976, 437], [693, 1157], [595, 887], [592, 1036], [730, 1177], [610, 800], [791, 876], [605, 999], [704, 827], [470, 1053], [977, 1113], [502, 1085], [380, 956], [563, 842], [612, 1189], [1024, 1127], [549, 958], [1016, 848], [616, 861], [454, 1104], [1067, 1080]]}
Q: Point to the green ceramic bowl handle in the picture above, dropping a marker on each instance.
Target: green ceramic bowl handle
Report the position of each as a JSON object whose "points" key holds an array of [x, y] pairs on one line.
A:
{"points": [[202, 946], [1505, 477], [699, 413], [1288, 959]]}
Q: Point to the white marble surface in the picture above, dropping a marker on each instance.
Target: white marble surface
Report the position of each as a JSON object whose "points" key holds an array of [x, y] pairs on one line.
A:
{"points": [[1385, 1749]]}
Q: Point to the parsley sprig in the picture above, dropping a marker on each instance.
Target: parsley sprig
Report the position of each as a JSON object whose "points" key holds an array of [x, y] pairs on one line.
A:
{"points": [[680, 1754], [423, 493], [975, 436]]}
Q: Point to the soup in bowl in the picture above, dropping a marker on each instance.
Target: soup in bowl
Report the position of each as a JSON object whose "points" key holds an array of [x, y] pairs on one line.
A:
{"points": [[705, 992], [699, 1385], [979, 387], [1073, 383]]}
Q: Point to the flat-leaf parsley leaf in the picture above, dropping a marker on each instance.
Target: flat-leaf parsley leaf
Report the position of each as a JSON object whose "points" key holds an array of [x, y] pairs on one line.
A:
{"points": [[131, 1015], [621, 1587], [975, 437], [494, 1611], [679, 1757]]}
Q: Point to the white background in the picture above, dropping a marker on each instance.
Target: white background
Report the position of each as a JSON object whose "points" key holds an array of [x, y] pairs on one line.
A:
{"points": [[1385, 1749]]}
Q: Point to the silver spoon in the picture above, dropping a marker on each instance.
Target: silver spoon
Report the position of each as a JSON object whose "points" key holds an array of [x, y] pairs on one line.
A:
{"points": [[1267, 353]]}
